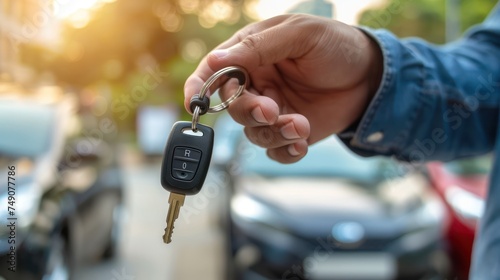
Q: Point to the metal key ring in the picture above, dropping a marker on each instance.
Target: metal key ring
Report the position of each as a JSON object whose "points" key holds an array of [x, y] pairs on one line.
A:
{"points": [[231, 71], [196, 118]]}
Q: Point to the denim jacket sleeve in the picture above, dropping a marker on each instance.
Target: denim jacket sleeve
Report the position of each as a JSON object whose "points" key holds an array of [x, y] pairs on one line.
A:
{"points": [[434, 102]]}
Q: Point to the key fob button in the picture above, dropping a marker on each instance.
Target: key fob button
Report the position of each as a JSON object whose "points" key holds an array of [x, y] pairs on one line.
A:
{"points": [[183, 175], [181, 165], [185, 163], [187, 153], [184, 170]]}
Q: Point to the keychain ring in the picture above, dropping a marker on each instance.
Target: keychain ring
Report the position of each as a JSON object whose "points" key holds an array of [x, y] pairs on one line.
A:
{"points": [[196, 118], [233, 72]]}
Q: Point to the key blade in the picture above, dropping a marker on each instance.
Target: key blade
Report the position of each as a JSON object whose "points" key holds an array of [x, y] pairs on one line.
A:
{"points": [[175, 202]]}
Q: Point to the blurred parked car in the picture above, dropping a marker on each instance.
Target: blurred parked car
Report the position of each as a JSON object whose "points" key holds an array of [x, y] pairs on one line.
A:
{"points": [[463, 185], [332, 215], [153, 127], [67, 196]]}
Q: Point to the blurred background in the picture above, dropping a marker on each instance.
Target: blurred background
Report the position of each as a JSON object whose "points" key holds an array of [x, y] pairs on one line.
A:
{"points": [[88, 93]]}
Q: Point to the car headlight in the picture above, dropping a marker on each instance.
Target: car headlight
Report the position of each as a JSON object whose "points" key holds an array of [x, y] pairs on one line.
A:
{"points": [[467, 205], [431, 212], [259, 220], [425, 225], [249, 209]]}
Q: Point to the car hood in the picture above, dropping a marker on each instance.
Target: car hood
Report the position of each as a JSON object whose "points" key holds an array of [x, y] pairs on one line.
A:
{"points": [[312, 205]]}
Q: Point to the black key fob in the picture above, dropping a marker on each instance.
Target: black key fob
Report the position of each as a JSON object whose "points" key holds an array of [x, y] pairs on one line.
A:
{"points": [[186, 158]]}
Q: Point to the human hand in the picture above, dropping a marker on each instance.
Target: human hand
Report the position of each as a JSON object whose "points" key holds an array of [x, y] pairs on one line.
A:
{"points": [[310, 77]]}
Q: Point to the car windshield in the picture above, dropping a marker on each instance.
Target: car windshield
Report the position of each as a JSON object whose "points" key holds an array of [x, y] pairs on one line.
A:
{"points": [[25, 129], [471, 166], [328, 158]]}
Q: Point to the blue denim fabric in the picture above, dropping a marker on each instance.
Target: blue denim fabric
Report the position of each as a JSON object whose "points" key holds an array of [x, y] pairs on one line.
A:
{"points": [[441, 103]]}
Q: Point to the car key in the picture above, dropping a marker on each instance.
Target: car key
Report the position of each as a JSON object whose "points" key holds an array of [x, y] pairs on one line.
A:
{"points": [[185, 165], [189, 147]]}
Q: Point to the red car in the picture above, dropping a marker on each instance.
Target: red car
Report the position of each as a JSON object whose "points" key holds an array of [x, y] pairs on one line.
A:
{"points": [[462, 185]]}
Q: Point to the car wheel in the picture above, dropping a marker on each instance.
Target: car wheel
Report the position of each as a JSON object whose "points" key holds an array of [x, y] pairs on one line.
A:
{"points": [[114, 236], [59, 262]]}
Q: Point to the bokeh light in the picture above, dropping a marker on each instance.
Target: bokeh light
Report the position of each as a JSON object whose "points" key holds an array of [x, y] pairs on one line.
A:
{"points": [[193, 50], [171, 22]]}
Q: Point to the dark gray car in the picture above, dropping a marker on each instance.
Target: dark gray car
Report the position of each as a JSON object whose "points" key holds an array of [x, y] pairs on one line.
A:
{"points": [[332, 215]]}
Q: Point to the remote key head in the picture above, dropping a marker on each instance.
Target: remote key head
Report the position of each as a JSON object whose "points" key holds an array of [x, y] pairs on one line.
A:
{"points": [[186, 158]]}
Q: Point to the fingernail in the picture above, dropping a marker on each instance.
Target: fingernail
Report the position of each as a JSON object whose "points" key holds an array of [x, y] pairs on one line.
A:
{"points": [[292, 151], [289, 132], [258, 115], [220, 53]]}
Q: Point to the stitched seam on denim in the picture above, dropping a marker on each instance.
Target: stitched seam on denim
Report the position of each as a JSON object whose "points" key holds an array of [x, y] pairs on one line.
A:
{"points": [[396, 145], [387, 80], [410, 122]]}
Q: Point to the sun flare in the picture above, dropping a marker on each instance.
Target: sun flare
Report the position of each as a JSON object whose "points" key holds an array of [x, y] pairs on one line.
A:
{"points": [[77, 12], [345, 11]]}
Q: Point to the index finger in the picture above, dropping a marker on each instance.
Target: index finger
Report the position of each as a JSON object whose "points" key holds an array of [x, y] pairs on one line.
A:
{"points": [[204, 70]]}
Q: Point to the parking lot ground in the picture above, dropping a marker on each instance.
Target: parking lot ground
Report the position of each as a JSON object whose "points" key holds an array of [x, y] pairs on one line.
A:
{"points": [[195, 251]]}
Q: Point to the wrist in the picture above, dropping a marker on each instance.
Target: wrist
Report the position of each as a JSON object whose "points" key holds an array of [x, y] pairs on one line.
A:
{"points": [[370, 68]]}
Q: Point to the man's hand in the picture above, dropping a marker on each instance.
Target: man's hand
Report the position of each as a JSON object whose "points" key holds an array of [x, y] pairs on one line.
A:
{"points": [[310, 77]]}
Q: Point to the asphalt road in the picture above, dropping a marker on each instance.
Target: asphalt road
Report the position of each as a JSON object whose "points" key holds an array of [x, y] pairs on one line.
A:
{"points": [[195, 251]]}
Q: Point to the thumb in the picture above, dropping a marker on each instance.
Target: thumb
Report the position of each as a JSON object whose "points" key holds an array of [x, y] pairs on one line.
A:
{"points": [[263, 43], [267, 47]]}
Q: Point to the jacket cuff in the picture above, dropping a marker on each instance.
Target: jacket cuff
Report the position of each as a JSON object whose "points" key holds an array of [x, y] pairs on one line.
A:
{"points": [[386, 124]]}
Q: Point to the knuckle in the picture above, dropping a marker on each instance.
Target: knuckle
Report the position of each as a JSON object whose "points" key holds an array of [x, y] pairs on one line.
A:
{"points": [[252, 137], [252, 42], [265, 137]]}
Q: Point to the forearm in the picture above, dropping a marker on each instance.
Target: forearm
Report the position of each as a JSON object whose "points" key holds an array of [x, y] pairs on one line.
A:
{"points": [[434, 102]]}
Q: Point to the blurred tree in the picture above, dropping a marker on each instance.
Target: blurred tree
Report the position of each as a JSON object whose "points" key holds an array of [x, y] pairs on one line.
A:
{"points": [[142, 50], [424, 18], [111, 45]]}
